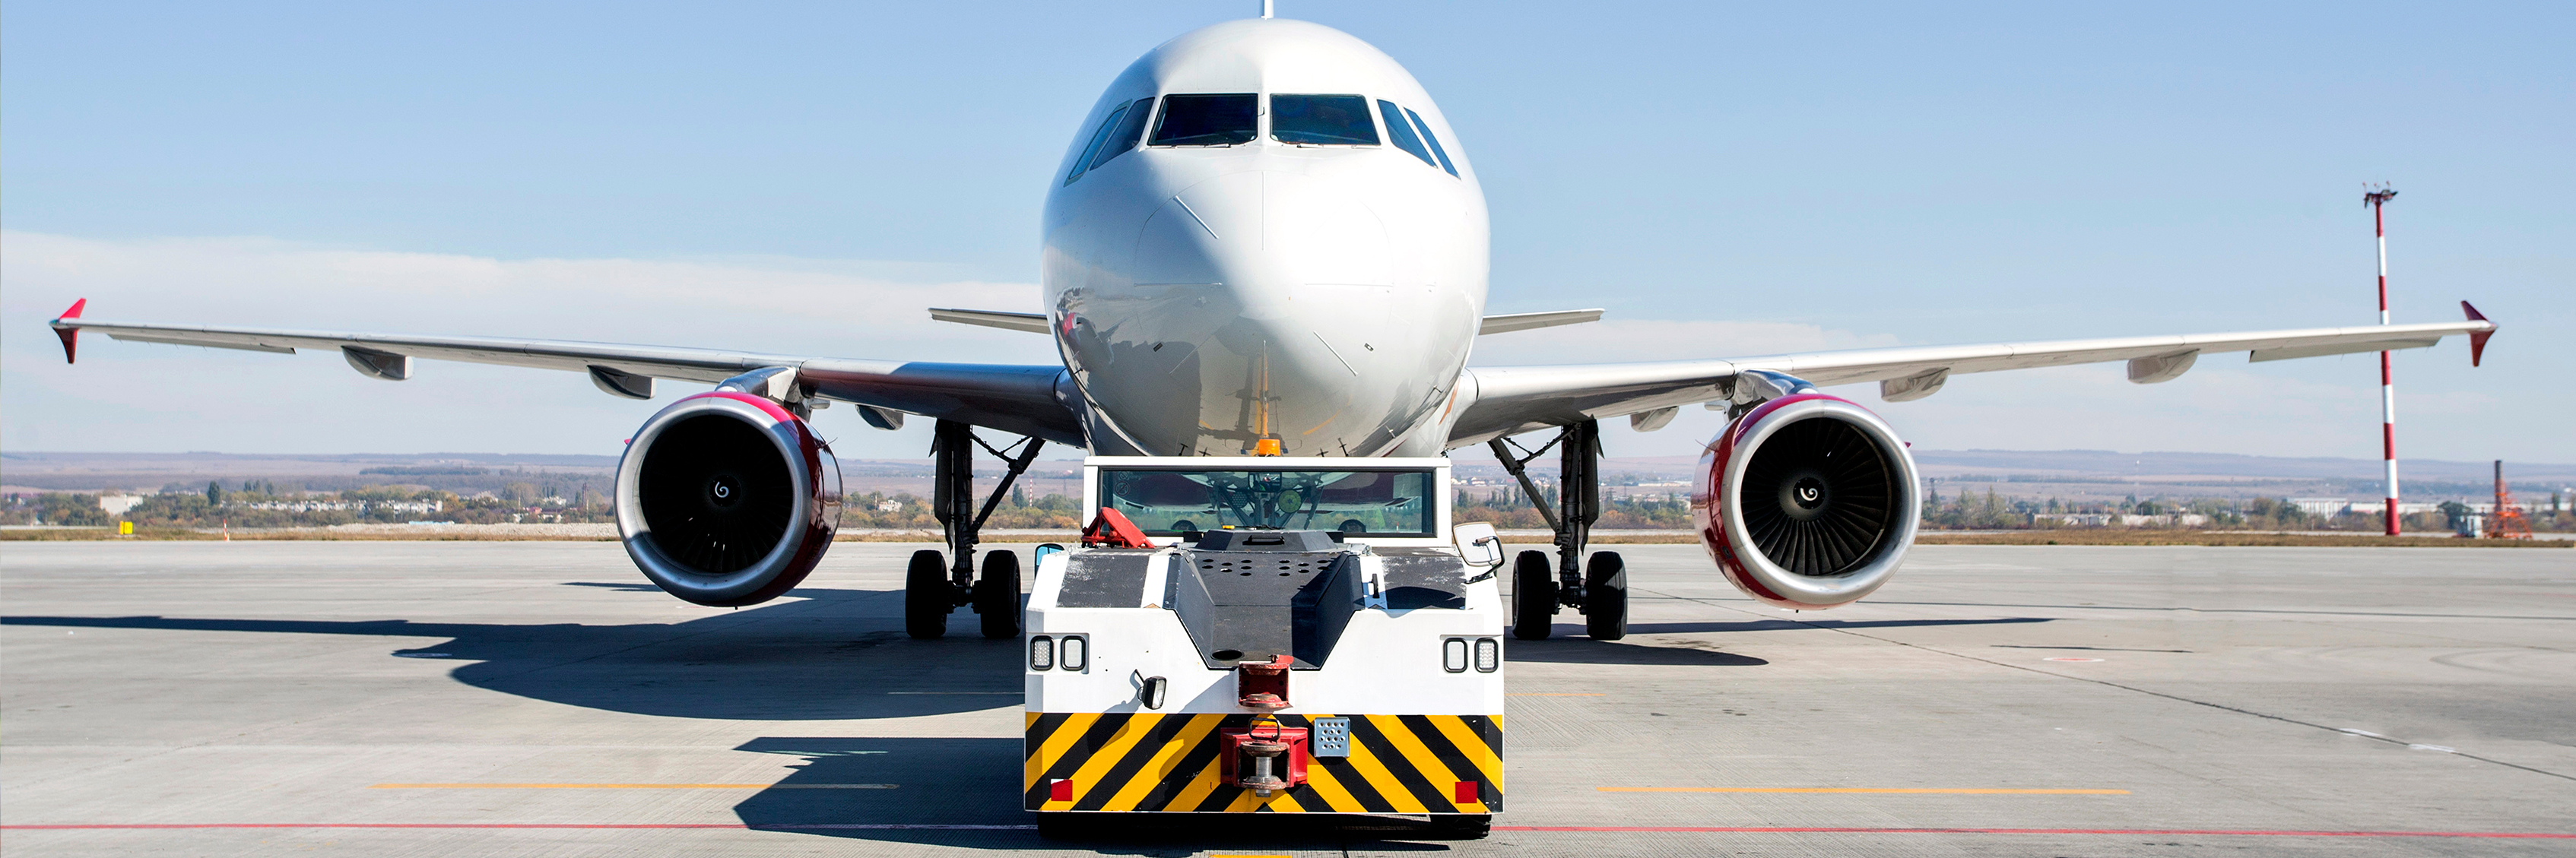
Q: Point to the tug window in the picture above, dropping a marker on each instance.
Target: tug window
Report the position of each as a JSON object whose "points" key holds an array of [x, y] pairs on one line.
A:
{"points": [[1169, 502], [1402, 132], [1106, 125], [1433, 139], [1208, 120], [1322, 120], [1129, 131]]}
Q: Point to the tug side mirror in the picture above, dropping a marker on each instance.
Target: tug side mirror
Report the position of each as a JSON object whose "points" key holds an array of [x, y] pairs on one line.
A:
{"points": [[1479, 545]]}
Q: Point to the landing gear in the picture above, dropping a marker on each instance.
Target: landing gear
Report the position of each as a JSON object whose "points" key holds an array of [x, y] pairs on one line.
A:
{"points": [[934, 585], [926, 597], [997, 595], [1602, 592], [1533, 596], [1605, 597]]}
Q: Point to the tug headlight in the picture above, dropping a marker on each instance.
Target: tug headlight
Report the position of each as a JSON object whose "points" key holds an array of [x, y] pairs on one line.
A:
{"points": [[1041, 653], [1453, 655], [1077, 652], [1489, 655]]}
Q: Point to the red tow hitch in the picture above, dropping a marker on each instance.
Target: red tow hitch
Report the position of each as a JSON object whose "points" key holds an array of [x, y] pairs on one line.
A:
{"points": [[1262, 685], [1265, 757]]}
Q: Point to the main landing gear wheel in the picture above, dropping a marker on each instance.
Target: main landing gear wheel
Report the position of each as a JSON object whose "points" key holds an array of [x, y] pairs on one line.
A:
{"points": [[1605, 597], [1533, 595], [927, 596], [997, 595]]}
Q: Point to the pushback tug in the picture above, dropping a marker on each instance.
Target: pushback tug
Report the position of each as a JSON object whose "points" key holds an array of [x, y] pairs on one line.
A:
{"points": [[1271, 634]]}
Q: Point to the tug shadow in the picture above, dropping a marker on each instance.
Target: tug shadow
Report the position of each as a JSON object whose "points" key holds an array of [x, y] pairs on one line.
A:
{"points": [[965, 793], [819, 655]]}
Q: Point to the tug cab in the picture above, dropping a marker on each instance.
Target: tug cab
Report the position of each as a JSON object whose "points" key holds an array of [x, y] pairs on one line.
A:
{"points": [[1267, 635]]}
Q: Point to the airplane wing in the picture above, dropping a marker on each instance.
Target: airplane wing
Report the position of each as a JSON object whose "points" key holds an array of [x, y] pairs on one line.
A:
{"points": [[1027, 400], [1500, 401]]}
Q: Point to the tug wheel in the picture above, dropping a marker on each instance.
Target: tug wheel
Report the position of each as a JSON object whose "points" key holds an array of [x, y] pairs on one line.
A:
{"points": [[997, 595], [1533, 595], [1464, 826], [927, 596], [1059, 825], [1605, 597]]}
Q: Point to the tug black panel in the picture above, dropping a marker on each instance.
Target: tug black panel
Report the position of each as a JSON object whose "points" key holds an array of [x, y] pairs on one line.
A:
{"points": [[1422, 578], [1254, 605], [1107, 577]]}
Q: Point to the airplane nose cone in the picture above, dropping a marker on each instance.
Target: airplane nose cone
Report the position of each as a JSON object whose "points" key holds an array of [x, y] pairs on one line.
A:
{"points": [[1264, 305], [1258, 236]]}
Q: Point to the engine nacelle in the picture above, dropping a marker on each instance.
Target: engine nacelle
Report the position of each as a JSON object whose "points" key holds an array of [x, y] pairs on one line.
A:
{"points": [[727, 499], [1807, 502]]}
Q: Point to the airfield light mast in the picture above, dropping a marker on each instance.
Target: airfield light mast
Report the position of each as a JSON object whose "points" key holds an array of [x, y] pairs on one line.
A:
{"points": [[2377, 200]]}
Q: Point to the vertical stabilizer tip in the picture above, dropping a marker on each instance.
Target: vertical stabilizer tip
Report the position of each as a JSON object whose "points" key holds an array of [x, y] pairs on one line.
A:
{"points": [[2477, 339], [70, 334]]}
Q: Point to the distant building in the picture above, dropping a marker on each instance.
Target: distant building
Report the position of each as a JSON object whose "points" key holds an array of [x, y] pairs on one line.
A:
{"points": [[2073, 519], [118, 504], [2322, 507], [2182, 520], [889, 506]]}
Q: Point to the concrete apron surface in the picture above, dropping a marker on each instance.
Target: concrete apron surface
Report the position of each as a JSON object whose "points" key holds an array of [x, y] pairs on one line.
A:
{"points": [[376, 698]]}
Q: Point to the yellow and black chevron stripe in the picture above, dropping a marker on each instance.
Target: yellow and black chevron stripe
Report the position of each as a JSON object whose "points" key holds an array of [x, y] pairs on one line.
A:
{"points": [[1157, 762]]}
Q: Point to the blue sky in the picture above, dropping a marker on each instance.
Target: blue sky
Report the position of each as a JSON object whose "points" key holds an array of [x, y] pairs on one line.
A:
{"points": [[1725, 179]]}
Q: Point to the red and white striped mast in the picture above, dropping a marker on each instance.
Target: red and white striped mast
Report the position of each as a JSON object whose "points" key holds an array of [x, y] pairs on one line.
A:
{"points": [[2377, 200]]}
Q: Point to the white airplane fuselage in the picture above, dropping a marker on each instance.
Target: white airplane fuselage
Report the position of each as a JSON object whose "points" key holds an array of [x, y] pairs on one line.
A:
{"points": [[1209, 297]]}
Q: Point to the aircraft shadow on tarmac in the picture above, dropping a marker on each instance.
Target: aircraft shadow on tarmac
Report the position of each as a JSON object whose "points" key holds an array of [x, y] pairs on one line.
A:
{"points": [[813, 658], [1568, 648], [821, 656]]}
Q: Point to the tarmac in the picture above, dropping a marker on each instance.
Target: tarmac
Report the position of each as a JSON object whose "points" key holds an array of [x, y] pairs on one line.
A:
{"points": [[539, 698]]}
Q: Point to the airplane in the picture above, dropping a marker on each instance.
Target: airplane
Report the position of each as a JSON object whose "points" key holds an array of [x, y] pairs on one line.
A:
{"points": [[1264, 265], [1266, 239]]}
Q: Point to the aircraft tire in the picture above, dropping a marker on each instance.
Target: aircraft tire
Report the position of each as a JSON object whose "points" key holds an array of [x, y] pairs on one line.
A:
{"points": [[997, 595], [1533, 596], [927, 596], [1605, 596]]}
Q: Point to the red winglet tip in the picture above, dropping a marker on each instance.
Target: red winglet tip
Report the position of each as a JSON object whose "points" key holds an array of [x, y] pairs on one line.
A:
{"points": [[2477, 339], [71, 335]]}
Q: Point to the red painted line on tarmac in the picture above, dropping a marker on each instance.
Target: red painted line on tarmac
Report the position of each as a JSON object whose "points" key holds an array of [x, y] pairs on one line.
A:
{"points": [[547, 825], [1674, 829], [2539, 835]]}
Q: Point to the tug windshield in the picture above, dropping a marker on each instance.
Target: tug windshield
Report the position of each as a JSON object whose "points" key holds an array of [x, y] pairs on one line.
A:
{"points": [[1173, 501]]}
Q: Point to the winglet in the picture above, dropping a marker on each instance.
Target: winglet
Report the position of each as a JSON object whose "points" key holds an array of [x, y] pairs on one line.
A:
{"points": [[70, 333], [2477, 339]]}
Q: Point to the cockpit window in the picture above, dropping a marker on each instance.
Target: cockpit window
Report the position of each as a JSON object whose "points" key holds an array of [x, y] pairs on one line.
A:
{"points": [[1402, 132], [1106, 125], [1433, 139], [1129, 131], [1208, 120], [1321, 120]]}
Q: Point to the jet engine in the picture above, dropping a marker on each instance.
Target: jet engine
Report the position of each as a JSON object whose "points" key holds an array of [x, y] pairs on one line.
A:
{"points": [[727, 499], [1807, 501]]}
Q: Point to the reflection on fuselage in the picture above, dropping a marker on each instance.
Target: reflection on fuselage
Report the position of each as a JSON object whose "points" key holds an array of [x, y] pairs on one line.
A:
{"points": [[1239, 249]]}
